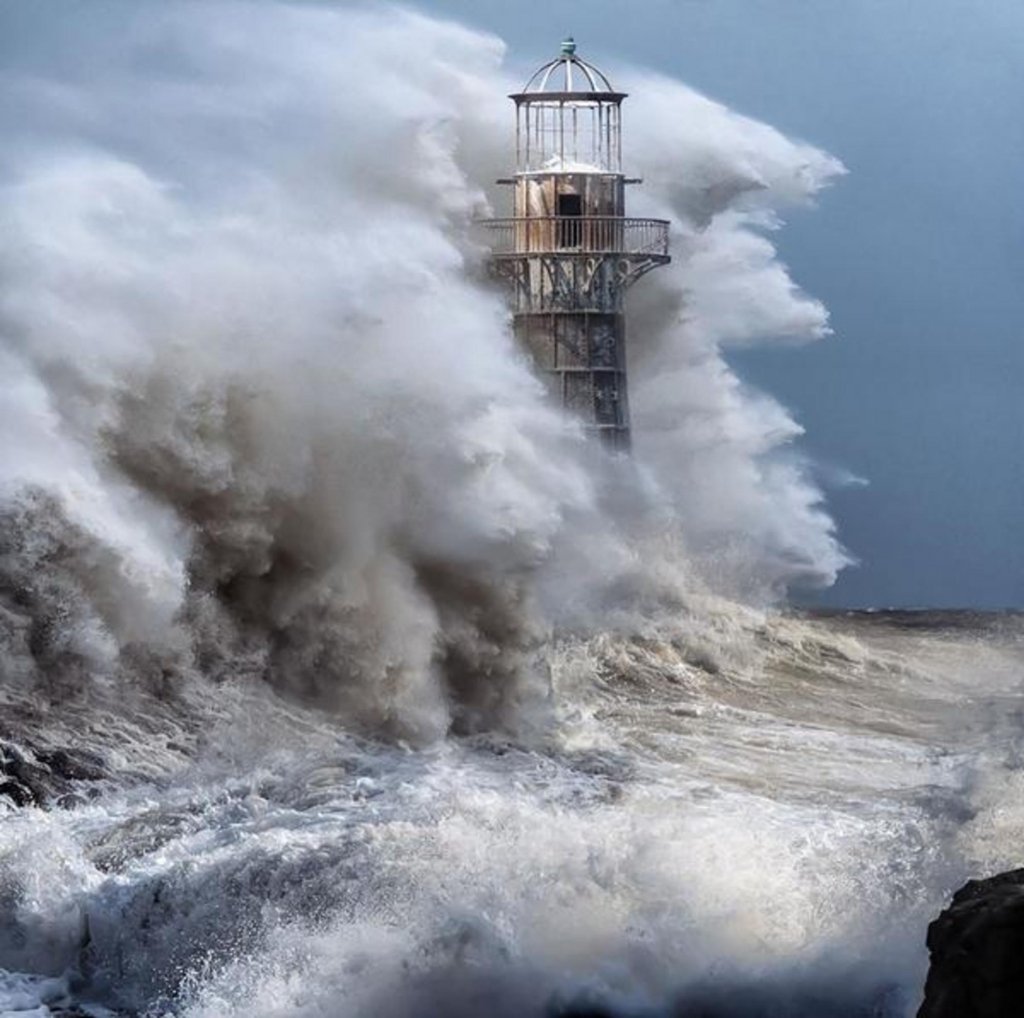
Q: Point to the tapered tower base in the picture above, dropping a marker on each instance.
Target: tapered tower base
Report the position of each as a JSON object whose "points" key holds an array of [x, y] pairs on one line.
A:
{"points": [[582, 354]]}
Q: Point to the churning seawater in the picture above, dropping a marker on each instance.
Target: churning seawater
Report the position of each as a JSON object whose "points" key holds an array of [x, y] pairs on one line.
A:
{"points": [[746, 815]]}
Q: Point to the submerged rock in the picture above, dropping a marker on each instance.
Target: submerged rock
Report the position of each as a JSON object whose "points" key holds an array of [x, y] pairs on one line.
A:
{"points": [[46, 777], [977, 952]]}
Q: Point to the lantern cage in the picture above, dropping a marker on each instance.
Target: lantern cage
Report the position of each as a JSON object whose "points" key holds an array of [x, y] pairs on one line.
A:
{"points": [[568, 119]]}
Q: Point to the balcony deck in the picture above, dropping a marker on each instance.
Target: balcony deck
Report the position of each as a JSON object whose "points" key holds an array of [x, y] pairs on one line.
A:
{"points": [[579, 235]]}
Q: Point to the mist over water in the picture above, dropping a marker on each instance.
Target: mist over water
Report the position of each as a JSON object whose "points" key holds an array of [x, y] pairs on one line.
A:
{"points": [[398, 698]]}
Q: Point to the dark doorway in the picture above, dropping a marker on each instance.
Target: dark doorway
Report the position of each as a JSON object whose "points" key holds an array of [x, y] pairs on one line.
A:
{"points": [[570, 231]]}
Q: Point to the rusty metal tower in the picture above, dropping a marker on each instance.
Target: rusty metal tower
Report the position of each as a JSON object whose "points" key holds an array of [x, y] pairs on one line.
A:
{"points": [[568, 251]]}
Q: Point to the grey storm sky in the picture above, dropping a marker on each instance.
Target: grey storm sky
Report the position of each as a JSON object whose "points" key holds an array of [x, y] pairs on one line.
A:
{"points": [[918, 253]]}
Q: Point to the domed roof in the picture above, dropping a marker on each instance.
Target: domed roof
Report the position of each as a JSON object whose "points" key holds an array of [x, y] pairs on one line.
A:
{"points": [[567, 73]]}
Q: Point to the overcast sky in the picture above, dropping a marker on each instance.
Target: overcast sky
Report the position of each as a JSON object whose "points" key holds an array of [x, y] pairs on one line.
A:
{"points": [[919, 253]]}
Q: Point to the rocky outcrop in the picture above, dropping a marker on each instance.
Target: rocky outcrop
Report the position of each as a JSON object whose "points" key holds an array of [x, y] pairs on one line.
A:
{"points": [[977, 952], [45, 777]]}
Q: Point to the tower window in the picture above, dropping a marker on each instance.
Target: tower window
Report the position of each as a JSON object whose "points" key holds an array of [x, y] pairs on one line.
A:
{"points": [[569, 233]]}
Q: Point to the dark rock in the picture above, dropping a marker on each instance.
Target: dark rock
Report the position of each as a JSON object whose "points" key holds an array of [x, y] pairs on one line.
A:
{"points": [[37, 784], [17, 793], [977, 952], [74, 764], [46, 776]]}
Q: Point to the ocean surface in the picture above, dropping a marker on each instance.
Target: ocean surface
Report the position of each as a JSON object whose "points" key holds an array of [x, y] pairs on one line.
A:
{"points": [[729, 813]]}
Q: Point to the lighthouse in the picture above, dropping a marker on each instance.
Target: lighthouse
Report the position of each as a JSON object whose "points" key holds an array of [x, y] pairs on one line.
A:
{"points": [[569, 252]]}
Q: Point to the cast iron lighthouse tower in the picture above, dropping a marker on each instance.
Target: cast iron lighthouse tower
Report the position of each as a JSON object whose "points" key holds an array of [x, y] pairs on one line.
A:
{"points": [[569, 252]]}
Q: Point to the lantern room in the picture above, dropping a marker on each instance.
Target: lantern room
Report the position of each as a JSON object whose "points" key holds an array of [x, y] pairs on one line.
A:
{"points": [[568, 117]]}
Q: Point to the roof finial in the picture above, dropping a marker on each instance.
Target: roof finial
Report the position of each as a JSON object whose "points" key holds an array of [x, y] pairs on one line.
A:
{"points": [[568, 46]]}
